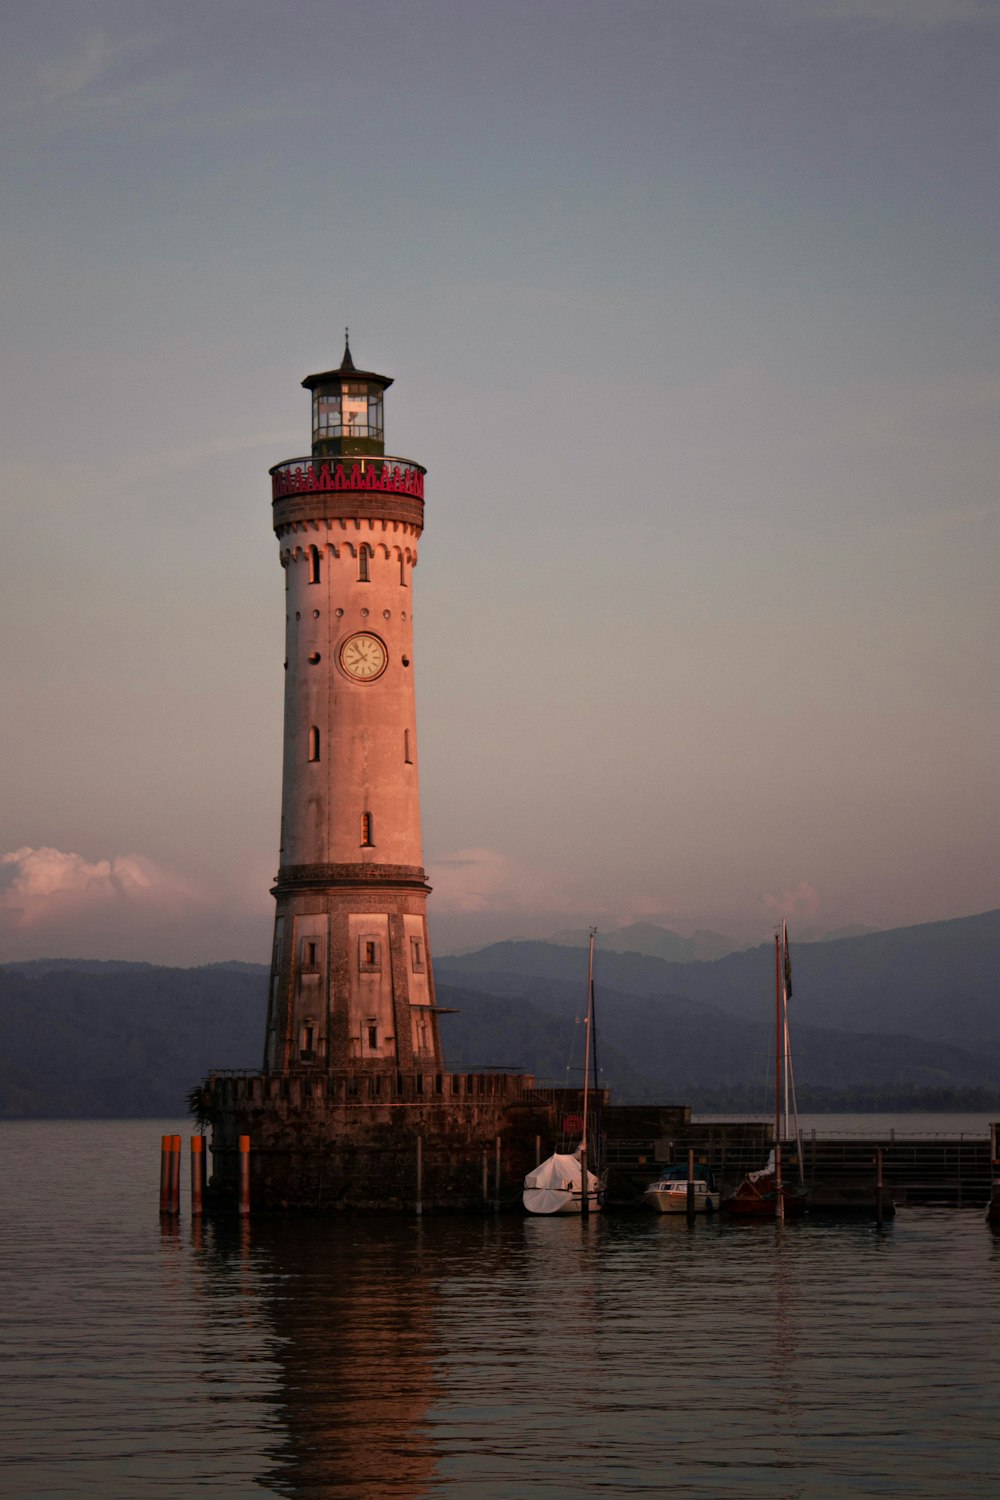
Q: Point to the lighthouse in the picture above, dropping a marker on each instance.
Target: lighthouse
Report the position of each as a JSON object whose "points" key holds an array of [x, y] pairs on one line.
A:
{"points": [[351, 986], [353, 1107]]}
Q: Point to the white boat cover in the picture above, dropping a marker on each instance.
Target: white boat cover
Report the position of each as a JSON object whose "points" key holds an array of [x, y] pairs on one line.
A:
{"points": [[550, 1187], [767, 1171]]}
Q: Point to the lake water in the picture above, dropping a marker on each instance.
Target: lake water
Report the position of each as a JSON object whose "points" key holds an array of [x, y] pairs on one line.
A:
{"points": [[478, 1358]]}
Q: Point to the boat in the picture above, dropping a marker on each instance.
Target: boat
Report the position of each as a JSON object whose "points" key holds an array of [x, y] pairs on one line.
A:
{"points": [[669, 1193], [759, 1196], [556, 1187], [765, 1194], [556, 1184]]}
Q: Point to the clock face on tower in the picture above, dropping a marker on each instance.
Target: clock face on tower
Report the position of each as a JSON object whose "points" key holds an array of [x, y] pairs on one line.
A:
{"points": [[364, 657]]}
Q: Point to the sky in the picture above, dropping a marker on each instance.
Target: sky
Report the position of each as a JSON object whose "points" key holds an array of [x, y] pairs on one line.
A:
{"points": [[691, 308]]}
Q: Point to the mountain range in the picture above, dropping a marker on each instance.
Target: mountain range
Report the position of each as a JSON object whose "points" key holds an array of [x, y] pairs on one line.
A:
{"points": [[882, 1018]]}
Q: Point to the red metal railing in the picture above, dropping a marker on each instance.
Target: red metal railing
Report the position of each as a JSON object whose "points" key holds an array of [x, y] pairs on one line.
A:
{"points": [[298, 476]]}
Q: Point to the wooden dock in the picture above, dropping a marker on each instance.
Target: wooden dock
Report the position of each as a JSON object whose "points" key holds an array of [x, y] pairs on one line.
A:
{"points": [[839, 1171]]}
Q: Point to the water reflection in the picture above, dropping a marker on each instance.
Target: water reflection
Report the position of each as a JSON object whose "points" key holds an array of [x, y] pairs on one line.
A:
{"points": [[489, 1358], [348, 1307]]}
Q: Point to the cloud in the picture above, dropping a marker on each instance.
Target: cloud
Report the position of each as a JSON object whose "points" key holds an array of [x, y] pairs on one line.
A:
{"points": [[92, 78], [802, 900], [56, 904], [485, 880], [65, 77], [43, 888]]}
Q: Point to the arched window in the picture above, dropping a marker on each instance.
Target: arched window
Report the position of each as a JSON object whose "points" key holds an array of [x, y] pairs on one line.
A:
{"points": [[367, 840], [364, 553], [314, 565], [313, 742]]}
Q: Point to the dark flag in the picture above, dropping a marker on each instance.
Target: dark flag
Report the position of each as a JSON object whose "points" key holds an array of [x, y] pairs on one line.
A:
{"points": [[788, 960]]}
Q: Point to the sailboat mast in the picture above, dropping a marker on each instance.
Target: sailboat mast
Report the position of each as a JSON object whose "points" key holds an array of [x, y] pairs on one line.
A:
{"points": [[584, 1185], [779, 1203]]}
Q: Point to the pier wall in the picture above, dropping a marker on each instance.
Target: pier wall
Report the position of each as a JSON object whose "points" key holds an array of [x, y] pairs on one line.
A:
{"points": [[393, 1141]]}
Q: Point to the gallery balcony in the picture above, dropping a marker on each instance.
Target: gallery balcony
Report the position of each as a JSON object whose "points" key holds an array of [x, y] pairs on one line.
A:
{"points": [[327, 475]]}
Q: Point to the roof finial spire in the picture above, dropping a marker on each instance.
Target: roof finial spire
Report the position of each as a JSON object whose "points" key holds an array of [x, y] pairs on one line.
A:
{"points": [[347, 362]]}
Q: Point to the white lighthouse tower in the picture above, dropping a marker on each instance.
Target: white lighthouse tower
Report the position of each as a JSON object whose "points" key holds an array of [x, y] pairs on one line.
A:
{"points": [[351, 986]]}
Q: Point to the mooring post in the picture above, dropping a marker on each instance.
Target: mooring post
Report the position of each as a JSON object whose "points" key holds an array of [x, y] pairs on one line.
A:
{"points": [[584, 1182], [164, 1174], [244, 1175], [486, 1180], [496, 1175], [690, 1184], [538, 1151], [175, 1175], [197, 1175], [418, 1207], [879, 1203]]}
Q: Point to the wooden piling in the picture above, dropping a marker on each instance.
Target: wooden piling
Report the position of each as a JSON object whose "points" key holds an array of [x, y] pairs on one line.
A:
{"points": [[496, 1175], [690, 1186], [244, 1175], [197, 1175], [418, 1207], [486, 1180], [175, 1175], [879, 1200], [164, 1174]]}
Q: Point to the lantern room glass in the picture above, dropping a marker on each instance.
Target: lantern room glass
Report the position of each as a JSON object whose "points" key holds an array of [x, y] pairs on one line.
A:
{"points": [[347, 411]]}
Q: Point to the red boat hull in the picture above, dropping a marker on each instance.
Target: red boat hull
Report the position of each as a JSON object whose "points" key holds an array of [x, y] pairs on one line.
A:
{"points": [[758, 1200]]}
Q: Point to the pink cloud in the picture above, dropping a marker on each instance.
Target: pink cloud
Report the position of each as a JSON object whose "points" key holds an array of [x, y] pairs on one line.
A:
{"points": [[801, 900], [57, 904], [45, 886], [485, 880]]}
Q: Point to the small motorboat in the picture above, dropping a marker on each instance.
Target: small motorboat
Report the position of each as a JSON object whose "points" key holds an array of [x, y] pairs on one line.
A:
{"points": [[669, 1193]]}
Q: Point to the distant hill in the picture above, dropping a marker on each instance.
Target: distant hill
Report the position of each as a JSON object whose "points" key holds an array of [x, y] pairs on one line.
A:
{"points": [[939, 981], [909, 1015], [686, 1050], [909, 1011], [658, 942], [122, 1039]]}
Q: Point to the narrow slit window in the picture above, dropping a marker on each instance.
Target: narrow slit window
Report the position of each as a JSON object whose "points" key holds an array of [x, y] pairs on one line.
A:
{"points": [[371, 951], [416, 954], [367, 840], [407, 757], [402, 570], [373, 1038], [313, 742], [364, 554], [314, 565], [311, 955]]}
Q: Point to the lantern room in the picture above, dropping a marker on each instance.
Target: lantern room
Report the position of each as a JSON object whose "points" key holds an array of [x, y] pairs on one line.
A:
{"points": [[347, 410]]}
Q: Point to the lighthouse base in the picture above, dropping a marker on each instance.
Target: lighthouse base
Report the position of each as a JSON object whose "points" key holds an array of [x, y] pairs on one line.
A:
{"points": [[381, 1142]]}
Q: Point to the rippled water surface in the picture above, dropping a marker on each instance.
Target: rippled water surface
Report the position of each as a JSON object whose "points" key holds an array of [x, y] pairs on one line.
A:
{"points": [[468, 1357]]}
